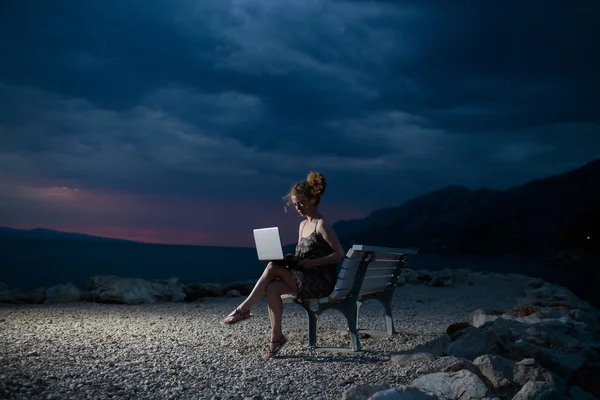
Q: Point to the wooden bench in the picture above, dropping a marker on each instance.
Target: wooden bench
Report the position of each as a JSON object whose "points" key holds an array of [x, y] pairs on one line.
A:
{"points": [[367, 273]]}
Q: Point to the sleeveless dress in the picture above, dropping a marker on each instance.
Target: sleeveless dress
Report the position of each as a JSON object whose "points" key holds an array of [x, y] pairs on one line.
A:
{"points": [[318, 281]]}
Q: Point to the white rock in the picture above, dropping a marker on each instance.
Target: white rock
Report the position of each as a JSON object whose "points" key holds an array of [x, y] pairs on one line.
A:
{"points": [[536, 391], [402, 393], [363, 392], [64, 293], [461, 385]]}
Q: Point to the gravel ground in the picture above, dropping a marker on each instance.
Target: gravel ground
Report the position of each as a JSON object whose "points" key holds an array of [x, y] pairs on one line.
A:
{"points": [[180, 351]]}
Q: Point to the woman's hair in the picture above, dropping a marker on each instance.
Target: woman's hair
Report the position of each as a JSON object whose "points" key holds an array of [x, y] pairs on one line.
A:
{"points": [[309, 190]]}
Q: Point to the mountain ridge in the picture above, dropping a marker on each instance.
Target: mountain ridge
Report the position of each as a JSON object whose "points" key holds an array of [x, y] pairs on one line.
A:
{"points": [[526, 219]]}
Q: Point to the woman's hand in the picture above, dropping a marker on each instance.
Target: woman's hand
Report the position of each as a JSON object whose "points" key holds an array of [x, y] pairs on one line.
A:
{"points": [[306, 263]]}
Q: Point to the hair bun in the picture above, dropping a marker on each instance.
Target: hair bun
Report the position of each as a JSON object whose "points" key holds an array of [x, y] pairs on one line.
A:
{"points": [[317, 181]]}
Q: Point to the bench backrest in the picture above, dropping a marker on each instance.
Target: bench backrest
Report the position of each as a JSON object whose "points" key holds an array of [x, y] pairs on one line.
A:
{"points": [[382, 265]]}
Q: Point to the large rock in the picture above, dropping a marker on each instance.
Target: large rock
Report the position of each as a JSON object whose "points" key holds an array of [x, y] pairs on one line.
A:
{"points": [[410, 276], [244, 287], [480, 317], [526, 370], [363, 392], [497, 369], [564, 364], [196, 290], [34, 296], [538, 390], [113, 289], [64, 293], [461, 385], [17, 296], [472, 342], [437, 365], [402, 393], [170, 289], [555, 335]]}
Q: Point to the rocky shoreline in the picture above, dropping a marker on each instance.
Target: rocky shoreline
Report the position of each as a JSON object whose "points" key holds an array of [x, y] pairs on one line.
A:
{"points": [[462, 335]]}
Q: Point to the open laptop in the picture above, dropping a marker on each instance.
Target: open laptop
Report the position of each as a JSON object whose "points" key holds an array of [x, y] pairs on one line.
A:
{"points": [[268, 246]]}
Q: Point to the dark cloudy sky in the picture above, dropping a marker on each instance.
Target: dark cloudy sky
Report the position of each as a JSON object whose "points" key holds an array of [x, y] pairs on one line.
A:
{"points": [[185, 121]]}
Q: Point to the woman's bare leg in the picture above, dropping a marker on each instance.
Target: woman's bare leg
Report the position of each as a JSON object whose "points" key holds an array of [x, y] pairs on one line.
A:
{"points": [[274, 292], [271, 273]]}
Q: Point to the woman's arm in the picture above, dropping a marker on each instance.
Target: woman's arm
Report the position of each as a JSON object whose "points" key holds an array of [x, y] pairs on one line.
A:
{"points": [[330, 237]]}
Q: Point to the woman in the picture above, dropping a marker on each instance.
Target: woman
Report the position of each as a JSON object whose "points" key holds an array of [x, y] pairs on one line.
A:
{"points": [[313, 276]]}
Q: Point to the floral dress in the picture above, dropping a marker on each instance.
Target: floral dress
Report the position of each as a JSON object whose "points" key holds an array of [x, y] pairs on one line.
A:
{"points": [[318, 281]]}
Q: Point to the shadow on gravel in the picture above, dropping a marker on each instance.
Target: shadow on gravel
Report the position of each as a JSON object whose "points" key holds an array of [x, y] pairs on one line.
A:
{"points": [[333, 358]]}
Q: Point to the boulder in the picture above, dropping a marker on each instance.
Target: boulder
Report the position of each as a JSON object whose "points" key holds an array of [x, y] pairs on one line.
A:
{"points": [[196, 290], [64, 293], [526, 370], [363, 392], [537, 390], [233, 293], [244, 287], [535, 283], [508, 330], [554, 334], [410, 276], [461, 385], [456, 327], [472, 342], [402, 393], [424, 275], [111, 289], [467, 366], [170, 289], [437, 365], [564, 364], [34, 296], [497, 369], [17, 296], [480, 316], [97, 281], [9, 295]]}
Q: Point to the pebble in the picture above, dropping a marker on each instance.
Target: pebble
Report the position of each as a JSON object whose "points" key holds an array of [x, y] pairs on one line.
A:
{"points": [[181, 351]]}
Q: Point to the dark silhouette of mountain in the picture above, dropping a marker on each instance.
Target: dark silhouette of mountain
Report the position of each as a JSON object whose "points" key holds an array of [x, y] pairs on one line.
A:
{"points": [[529, 219], [42, 233]]}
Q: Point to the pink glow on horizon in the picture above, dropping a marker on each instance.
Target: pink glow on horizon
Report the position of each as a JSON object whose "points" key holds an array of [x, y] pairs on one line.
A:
{"points": [[165, 219]]}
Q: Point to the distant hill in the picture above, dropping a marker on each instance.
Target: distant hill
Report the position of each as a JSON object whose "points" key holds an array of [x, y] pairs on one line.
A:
{"points": [[530, 219], [41, 233]]}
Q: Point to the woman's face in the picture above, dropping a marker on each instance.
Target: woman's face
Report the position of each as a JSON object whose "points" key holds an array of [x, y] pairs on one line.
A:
{"points": [[300, 205]]}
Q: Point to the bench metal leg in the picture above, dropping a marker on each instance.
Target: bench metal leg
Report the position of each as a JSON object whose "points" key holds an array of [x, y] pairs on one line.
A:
{"points": [[358, 304], [386, 301], [351, 314], [312, 329]]}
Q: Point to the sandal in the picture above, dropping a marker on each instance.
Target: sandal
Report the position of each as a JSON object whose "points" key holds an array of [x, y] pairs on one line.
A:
{"points": [[279, 344], [236, 316]]}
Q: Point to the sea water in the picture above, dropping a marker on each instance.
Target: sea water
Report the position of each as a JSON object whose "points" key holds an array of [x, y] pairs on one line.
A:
{"points": [[27, 263]]}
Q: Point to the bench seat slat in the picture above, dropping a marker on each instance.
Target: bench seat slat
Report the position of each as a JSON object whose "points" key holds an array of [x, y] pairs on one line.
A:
{"points": [[376, 281], [351, 263], [350, 273], [369, 281], [339, 294], [353, 255], [374, 289]]}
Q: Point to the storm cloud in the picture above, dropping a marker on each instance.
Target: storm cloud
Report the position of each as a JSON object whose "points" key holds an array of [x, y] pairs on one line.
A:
{"points": [[213, 109]]}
